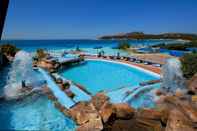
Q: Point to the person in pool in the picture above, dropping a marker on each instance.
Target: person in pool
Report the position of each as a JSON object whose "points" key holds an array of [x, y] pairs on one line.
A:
{"points": [[23, 84]]}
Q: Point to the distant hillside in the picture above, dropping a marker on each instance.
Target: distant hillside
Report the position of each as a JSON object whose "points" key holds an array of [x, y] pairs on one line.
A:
{"points": [[141, 35]]}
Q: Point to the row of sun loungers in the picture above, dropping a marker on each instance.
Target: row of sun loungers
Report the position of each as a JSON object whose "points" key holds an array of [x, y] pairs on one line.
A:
{"points": [[131, 59]]}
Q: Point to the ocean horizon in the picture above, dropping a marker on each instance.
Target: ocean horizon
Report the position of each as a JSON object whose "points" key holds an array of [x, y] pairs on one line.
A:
{"points": [[33, 45]]}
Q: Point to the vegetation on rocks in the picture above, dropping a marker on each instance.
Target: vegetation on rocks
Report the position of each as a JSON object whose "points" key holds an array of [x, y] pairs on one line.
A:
{"points": [[123, 45], [9, 49], [40, 54], [141, 35], [189, 64]]}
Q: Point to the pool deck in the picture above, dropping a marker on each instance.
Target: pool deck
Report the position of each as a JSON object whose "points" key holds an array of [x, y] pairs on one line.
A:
{"points": [[146, 67]]}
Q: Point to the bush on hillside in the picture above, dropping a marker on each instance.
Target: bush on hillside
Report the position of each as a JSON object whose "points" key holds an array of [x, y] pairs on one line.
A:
{"points": [[189, 64], [123, 45]]}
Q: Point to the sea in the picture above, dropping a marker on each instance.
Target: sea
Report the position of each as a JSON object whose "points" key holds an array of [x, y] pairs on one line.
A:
{"points": [[32, 45]]}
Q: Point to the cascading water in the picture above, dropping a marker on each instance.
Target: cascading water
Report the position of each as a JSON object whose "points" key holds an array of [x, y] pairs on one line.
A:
{"points": [[172, 76], [21, 70]]}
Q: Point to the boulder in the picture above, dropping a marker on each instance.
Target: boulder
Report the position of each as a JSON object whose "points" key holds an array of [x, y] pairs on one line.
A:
{"points": [[179, 93], [59, 106], [92, 125], [106, 111], [184, 106], [99, 99], [189, 110], [178, 122], [194, 98], [86, 116], [192, 84], [164, 116], [159, 92], [149, 114], [136, 125], [124, 111]]}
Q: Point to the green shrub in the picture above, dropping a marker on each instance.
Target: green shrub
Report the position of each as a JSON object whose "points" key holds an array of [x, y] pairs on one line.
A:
{"points": [[189, 64], [66, 85], [9, 49], [40, 54], [123, 45]]}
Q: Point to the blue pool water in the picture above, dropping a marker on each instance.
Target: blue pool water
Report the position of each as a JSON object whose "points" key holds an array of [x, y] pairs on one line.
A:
{"points": [[33, 113], [105, 76]]}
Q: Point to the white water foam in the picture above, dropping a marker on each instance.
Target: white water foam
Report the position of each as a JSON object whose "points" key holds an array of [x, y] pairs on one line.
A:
{"points": [[21, 69], [172, 76]]}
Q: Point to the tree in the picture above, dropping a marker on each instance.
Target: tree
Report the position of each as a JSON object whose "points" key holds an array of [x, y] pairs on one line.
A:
{"points": [[189, 64], [123, 45]]}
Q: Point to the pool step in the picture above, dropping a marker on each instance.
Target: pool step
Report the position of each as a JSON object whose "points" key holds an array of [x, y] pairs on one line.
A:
{"points": [[82, 88], [127, 93], [80, 95], [138, 90], [62, 98]]}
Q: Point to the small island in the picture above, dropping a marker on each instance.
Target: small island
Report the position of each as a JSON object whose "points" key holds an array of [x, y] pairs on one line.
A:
{"points": [[141, 36]]}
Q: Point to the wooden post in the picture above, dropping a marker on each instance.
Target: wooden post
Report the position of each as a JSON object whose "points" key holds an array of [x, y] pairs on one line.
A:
{"points": [[3, 12]]}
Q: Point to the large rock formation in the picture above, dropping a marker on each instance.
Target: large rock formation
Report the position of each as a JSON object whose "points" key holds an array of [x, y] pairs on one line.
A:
{"points": [[192, 84], [172, 114], [178, 122], [106, 111], [136, 125], [124, 111], [99, 99], [86, 116]]}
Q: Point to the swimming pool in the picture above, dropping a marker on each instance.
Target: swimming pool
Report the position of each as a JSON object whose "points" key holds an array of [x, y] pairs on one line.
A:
{"points": [[33, 113], [101, 75]]}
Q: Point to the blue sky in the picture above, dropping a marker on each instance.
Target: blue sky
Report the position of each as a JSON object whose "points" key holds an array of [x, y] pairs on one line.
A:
{"points": [[70, 19]]}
